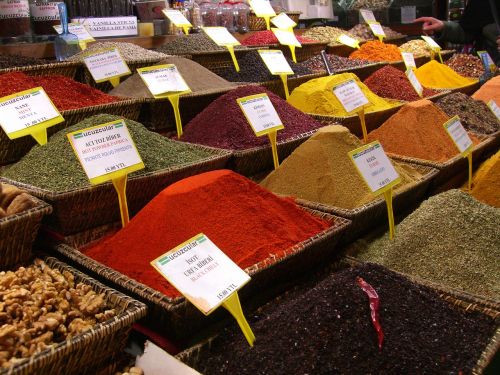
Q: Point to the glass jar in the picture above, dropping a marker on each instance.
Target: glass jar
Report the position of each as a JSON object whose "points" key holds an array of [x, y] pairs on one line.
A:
{"points": [[209, 14], [44, 15], [241, 12], [14, 18], [226, 16]]}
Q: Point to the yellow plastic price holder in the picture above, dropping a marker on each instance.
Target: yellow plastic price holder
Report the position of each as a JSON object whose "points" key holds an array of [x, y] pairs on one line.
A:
{"points": [[377, 30], [462, 141], [81, 33], [263, 119], [287, 38], [283, 22], [178, 19], [107, 152], [348, 41], [435, 48], [417, 86], [207, 277], [377, 171], [107, 65], [29, 112], [223, 38], [487, 61], [353, 100], [277, 65], [263, 9], [165, 81], [492, 105], [409, 60]]}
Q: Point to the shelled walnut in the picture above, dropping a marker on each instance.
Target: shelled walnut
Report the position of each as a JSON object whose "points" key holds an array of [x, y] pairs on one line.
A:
{"points": [[41, 307]]}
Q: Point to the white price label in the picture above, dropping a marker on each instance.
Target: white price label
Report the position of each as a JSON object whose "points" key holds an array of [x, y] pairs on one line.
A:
{"points": [[286, 37], [221, 36], [106, 64], [408, 14], [458, 134], [375, 167], [282, 21], [260, 113], [494, 108], [377, 29], [103, 27], [410, 73], [44, 12], [431, 42], [163, 79], [79, 30], [26, 109], [367, 15], [348, 41], [275, 61], [201, 272], [488, 63], [409, 60], [350, 95], [176, 17], [105, 149], [11, 9], [262, 8]]}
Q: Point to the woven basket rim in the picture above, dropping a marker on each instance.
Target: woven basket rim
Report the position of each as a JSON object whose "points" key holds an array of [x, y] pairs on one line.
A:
{"points": [[62, 64], [40, 208], [224, 51], [195, 94], [120, 103]]}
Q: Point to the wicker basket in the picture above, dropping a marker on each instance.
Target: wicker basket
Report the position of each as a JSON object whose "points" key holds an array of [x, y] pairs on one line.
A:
{"points": [[258, 23], [67, 69], [468, 90], [13, 150], [180, 319], [372, 214], [89, 352], [303, 53], [88, 207], [17, 233], [212, 59], [190, 356]]}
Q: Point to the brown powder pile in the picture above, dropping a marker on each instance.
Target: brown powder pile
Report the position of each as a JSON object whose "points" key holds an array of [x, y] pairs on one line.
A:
{"points": [[197, 77], [417, 131], [320, 170]]}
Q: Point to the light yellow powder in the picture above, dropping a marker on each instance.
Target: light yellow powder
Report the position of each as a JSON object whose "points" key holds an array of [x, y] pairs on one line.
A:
{"points": [[439, 76], [316, 96]]}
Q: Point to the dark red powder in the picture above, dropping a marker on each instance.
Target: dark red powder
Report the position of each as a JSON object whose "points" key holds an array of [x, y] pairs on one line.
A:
{"points": [[262, 38], [247, 222], [64, 92], [392, 83], [223, 125]]}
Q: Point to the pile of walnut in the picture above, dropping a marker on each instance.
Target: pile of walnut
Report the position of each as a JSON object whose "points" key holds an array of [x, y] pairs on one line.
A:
{"points": [[40, 307], [13, 200]]}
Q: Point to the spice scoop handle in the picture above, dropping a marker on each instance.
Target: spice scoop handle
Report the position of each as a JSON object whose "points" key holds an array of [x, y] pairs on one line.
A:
{"points": [[325, 61]]}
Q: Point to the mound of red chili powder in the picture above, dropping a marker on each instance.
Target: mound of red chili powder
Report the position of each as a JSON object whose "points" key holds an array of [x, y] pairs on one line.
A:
{"points": [[223, 125], [247, 222], [392, 83], [64, 92], [261, 38]]}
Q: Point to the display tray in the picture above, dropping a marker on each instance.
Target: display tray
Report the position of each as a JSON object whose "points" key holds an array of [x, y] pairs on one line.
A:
{"points": [[90, 352], [13, 150], [79, 209], [463, 302], [303, 53], [66, 68], [17, 233], [178, 318]]}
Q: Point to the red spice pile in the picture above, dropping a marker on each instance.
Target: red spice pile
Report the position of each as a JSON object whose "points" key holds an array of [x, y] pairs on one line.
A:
{"points": [[64, 92], [392, 83], [262, 38], [247, 222]]}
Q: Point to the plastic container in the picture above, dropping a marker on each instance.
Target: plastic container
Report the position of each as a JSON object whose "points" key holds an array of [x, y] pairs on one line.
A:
{"points": [[209, 14], [241, 12], [226, 16], [44, 15], [15, 18]]}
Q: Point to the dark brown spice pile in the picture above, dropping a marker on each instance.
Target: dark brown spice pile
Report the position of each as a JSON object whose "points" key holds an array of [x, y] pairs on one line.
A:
{"points": [[327, 329], [466, 65], [336, 63], [11, 61], [474, 114]]}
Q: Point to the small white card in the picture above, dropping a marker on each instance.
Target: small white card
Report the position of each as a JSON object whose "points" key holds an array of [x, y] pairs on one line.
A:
{"points": [[350, 95], [262, 8], [458, 134], [103, 27], [79, 30], [286, 37], [201, 272], [162, 79], [282, 21], [410, 73], [221, 36], [348, 41], [409, 60], [367, 15], [275, 61], [106, 64], [494, 108], [377, 29], [408, 14], [260, 113], [431, 42], [176, 17]]}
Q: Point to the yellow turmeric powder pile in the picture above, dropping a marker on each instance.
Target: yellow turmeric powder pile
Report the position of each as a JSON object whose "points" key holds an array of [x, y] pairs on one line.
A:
{"points": [[486, 182], [316, 96], [377, 51], [435, 75]]}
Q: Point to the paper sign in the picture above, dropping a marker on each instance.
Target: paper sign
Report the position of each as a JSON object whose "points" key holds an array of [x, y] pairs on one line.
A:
{"points": [[494, 108], [176, 17], [27, 109], [79, 30], [432, 43], [286, 37], [103, 27], [221, 36], [282, 21], [348, 41], [350, 95], [104, 150], [201, 272], [162, 79], [459, 135], [408, 14], [377, 29], [262, 8], [275, 61], [488, 63], [44, 11], [367, 15], [106, 64], [260, 113], [410, 73], [375, 167], [409, 60]]}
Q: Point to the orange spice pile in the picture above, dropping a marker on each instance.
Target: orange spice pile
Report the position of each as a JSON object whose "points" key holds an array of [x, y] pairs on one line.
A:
{"points": [[377, 51]]}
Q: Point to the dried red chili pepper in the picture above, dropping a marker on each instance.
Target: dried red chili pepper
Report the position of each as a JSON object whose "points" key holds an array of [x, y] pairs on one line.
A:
{"points": [[374, 308]]}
